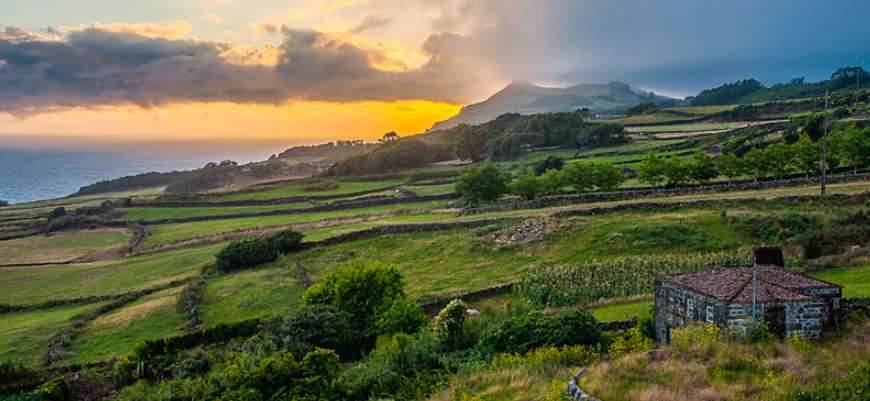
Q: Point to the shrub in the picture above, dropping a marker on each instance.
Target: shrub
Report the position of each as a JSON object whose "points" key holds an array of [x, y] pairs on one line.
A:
{"points": [[450, 325], [521, 334], [57, 213], [550, 163], [54, 390], [287, 241], [245, 254], [632, 341], [854, 387], [360, 290], [319, 326], [527, 187], [482, 184], [15, 375], [402, 316]]}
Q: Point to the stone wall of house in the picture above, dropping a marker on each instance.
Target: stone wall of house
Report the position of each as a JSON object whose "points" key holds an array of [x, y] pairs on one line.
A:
{"points": [[672, 309], [805, 319]]}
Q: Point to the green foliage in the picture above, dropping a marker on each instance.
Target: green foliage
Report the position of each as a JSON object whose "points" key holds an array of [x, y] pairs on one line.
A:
{"points": [[606, 176], [450, 325], [392, 156], [728, 93], [676, 171], [581, 176], [361, 290], [631, 341], [482, 184], [550, 183], [854, 387], [776, 229], [522, 333], [836, 236], [643, 108], [402, 367], [15, 375], [286, 241], [245, 254], [550, 163], [702, 168], [402, 316], [527, 187], [54, 390], [856, 145], [651, 170], [730, 166], [321, 326]]}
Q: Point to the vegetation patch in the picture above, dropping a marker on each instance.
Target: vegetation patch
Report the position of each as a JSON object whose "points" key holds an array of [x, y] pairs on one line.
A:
{"points": [[61, 246]]}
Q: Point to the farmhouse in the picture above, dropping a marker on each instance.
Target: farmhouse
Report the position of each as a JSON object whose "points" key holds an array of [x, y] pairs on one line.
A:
{"points": [[789, 303]]}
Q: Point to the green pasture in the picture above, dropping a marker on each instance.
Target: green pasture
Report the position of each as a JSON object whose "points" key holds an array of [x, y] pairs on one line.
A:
{"points": [[683, 127], [662, 116], [168, 233], [427, 190], [702, 110], [61, 246], [116, 333], [299, 189], [268, 290], [26, 336], [31, 285], [159, 213], [622, 311], [855, 280]]}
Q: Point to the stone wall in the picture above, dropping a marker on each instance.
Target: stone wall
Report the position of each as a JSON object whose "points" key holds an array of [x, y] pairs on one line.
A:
{"points": [[671, 309], [574, 390], [805, 319]]}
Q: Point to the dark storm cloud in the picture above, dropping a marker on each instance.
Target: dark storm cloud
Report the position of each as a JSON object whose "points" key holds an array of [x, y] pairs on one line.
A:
{"points": [[96, 67], [675, 46]]}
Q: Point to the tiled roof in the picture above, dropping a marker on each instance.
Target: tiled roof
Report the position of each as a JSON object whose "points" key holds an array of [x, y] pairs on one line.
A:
{"points": [[734, 284]]}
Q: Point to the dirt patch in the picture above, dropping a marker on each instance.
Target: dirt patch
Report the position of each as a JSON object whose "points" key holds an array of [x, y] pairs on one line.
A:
{"points": [[130, 314], [527, 231]]}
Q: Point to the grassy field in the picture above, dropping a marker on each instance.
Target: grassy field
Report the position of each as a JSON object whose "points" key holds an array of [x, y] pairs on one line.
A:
{"points": [[30, 285], [116, 333], [702, 110], [167, 233], [25, 336], [425, 190], [297, 189], [61, 246], [683, 127], [662, 116], [159, 213], [460, 260], [855, 280], [271, 289], [622, 311]]}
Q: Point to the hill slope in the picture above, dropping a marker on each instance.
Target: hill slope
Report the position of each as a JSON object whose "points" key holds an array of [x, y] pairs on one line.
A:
{"points": [[526, 98]]}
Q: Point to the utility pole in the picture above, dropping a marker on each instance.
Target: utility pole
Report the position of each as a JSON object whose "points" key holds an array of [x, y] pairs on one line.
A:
{"points": [[824, 164]]}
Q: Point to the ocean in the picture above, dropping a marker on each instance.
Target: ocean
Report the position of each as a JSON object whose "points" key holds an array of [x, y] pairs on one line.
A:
{"points": [[28, 175]]}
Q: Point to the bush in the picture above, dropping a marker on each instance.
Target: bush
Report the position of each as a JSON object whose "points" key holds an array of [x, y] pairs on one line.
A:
{"points": [[450, 325], [521, 334], [402, 316], [855, 387], [54, 390], [527, 187], [287, 241], [360, 290], [15, 375], [318, 326], [245, 254], [550, 163], [482, 184]]}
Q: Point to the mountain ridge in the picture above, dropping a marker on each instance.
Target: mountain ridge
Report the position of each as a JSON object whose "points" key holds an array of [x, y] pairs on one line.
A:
{"points": [[524, 97]]}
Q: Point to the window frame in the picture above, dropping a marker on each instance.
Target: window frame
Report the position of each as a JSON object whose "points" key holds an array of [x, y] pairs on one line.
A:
{"points": [[709, 311], [690, 307]]}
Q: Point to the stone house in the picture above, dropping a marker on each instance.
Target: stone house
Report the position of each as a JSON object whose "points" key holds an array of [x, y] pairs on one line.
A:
{"points": [[789, 303]]}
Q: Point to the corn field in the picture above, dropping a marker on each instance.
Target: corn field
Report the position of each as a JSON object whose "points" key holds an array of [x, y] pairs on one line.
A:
{"points": [[565, 285]]}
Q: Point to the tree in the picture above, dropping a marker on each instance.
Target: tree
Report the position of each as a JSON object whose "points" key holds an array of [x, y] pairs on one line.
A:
{"points": [[550, 163], [527, 187], [471, 144], [651, 170], [606, 176], [807, 155], [757, 163], [780, 158], [550, 183], [402, 316], [482, 184], [389, 137], [677, 171], [362, 290], [580, 175], [730, 166], [245, 254], [702, 167], [856, 145], [286, 241], [450, 324]]}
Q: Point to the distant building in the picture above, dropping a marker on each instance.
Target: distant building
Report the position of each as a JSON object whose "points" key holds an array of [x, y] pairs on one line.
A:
{"points": [[790, 303]]}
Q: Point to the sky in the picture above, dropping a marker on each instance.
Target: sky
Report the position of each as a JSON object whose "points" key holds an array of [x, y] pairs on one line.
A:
{"points": [[308, 71]]}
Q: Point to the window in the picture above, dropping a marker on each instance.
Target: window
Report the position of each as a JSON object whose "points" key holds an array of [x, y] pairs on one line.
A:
{"points": [[690, 306], [709, 313], [836, 303]]}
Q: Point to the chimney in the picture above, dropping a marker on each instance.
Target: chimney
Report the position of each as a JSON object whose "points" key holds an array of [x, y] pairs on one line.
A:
{"points": [[767, 255]]}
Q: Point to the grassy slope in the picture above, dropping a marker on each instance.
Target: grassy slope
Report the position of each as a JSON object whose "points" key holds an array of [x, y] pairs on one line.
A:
{"points": [[25, 336], [272, 289], [683, 127], [424, 190], [116, 333], [466, 259], [157, 213], [61, 246], [855, 280], [344, 187], [168, 233], [30, 285]]}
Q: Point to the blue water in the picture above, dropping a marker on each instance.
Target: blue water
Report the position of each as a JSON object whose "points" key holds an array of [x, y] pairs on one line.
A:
{"points": [[28, 175]]}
